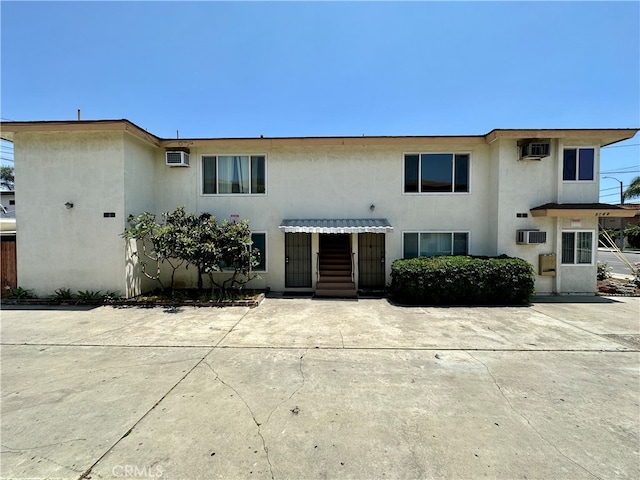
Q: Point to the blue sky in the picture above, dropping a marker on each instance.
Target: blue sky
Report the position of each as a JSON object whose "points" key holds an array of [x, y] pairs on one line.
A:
{"points": [[244, 69]]}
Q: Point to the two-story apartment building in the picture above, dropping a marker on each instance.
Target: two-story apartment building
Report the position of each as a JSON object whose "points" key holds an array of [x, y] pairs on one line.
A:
{"points": [[329, 214]]}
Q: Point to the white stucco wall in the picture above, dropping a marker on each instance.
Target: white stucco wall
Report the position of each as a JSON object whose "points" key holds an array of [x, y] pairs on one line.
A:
{"points": [[73, 248], [579, 191], [337, 182], [578, 278], [140, 166], [116, 172], [522, 185]]}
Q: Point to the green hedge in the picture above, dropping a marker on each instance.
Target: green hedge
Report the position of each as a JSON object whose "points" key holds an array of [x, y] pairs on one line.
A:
{"points": [[462, 280]]}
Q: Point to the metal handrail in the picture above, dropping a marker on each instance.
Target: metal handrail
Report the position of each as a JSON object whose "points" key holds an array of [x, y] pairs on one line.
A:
{"points": [[317, 267], [353, 264]]}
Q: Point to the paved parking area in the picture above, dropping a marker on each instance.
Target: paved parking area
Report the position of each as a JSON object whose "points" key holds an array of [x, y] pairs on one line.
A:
{"points": [[301, 388]]}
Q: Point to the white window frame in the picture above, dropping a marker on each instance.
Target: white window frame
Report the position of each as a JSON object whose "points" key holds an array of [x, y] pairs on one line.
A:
{"points": [[575, 247], [453, 172], [266, 264], [452, 232], [596, 161], [218, 194]]}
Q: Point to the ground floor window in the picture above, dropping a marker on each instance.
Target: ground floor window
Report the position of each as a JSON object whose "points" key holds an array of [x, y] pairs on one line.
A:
{"points": [[428, 244], [260, 243], [577, 248]]}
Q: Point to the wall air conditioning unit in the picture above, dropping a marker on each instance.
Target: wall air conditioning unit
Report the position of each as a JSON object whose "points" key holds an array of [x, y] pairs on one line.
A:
{"points": [[535, 150], [530, 237], [177, 159]]}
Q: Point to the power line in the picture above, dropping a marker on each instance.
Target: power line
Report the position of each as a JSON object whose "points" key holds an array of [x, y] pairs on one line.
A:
{"points": [[625, 168], [622, 146], [612, 188]]}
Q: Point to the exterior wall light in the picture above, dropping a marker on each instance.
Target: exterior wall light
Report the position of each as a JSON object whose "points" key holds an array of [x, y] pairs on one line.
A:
{"points": [[372, 207], [68, 205]]}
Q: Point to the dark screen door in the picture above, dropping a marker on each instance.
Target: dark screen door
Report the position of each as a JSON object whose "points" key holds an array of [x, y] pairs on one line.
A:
{"points": [[371, 260], [297, 247]]}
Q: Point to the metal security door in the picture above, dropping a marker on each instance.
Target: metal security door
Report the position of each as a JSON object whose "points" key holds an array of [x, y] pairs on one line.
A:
{"points": [[371, 260], [297, 252]]}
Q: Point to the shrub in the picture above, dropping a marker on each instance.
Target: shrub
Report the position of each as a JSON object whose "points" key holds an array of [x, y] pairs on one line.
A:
{"points": [[462, 280], [89, 296], [604, 271], [63, 294], [633, 236], [611, 233], [18, 293]]}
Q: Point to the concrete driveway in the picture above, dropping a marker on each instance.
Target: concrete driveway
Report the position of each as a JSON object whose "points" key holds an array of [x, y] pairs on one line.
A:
{"points": [[307, 389]]}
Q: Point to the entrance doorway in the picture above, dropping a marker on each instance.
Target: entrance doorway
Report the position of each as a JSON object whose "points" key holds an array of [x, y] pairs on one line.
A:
{"points": [[371, 261], [297, 251], [335, 266]]}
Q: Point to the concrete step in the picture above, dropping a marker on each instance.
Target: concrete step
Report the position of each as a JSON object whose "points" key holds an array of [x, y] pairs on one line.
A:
{"points": [[335, 272], [335, 279], [339, 293], [323, 285]]}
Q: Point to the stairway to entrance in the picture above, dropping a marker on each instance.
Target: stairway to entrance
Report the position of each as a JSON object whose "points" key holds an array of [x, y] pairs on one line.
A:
{"points": [[335, 267]]}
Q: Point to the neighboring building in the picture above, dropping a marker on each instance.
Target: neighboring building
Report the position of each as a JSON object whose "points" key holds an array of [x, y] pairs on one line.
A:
{"points": [[8, 270], [329, 213], [617, 223], [7, 204]]}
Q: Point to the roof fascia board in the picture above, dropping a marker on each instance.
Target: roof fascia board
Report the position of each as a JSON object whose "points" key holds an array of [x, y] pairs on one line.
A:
{"points": [[11, 128], [325, 141], [605, 136]]}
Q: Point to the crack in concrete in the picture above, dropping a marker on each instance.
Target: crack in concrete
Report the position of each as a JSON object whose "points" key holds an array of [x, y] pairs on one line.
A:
{"points": [[41, 446], [34, 456], [295, 391], [112, 345], [102, 333], [287, 347], [87, 472], [253, 416], [546, 440], [93, 372], [601, 335], [499, 334]]}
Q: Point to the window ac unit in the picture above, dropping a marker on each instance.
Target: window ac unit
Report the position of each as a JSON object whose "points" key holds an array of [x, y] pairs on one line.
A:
{"points": [[535, 150], [177, 159], [530, 237]]}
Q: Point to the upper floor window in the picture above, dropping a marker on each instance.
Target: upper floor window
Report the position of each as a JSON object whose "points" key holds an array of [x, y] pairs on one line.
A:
{"points": [[436, 172], [578, 164], [428, 244], [229, 174]]}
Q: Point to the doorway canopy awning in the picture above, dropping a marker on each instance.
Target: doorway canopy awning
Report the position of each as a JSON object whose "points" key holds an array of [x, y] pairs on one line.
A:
{"points": [[339, 225], [581, 210]]}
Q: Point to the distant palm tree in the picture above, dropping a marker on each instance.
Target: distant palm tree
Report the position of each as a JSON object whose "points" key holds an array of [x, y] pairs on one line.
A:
{"points": [[633, 190]]}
